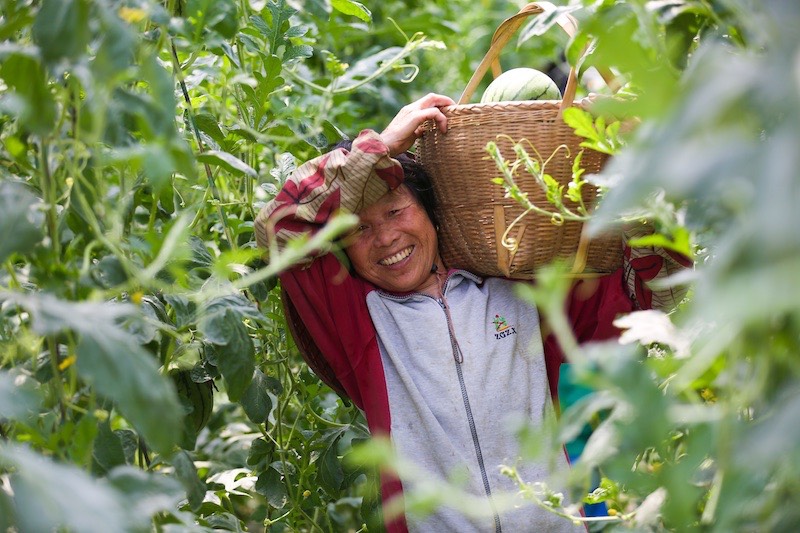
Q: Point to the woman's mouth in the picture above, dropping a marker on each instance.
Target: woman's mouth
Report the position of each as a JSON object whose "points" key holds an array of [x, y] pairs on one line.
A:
{"points": [[396, 258]]}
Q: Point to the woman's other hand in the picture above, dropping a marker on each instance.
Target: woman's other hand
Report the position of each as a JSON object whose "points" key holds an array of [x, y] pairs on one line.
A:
{"points": [[406, 126]]}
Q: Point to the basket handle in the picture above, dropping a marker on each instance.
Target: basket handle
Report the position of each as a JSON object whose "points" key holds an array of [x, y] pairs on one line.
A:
{"points": [[503, 35]]}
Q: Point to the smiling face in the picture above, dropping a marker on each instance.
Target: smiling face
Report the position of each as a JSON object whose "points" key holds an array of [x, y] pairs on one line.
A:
{"points": [[395, 245]]}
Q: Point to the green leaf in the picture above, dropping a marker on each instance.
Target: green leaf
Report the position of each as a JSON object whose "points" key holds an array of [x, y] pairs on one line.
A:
{"points": [[17, 396], [667, 11], [113, 362], [50, 496], [184, 308], [329, 467], [107, 452], [260, 454], [116, 49], [227, 161], [207, 123], [236, 355], [146, 493], [186, 473], [256, 401], [581, 121], [350, 7], [22, 219], [212, 323], [221, 16], [278, 23], [680, 241], [81, 439], [270, 485], [284, 166], [123, 371], [30, 99], [299, 51], [62, 29]]}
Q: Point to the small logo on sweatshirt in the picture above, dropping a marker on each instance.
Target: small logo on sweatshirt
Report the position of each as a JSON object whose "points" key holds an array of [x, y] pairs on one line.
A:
{"points": [[501, 327]]}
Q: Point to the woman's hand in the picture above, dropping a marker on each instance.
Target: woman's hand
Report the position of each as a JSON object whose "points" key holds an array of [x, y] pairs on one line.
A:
{"points": [[406, 126]]}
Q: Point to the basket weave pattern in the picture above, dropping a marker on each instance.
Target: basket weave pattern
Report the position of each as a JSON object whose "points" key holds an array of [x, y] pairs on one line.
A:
{"points": [[472, 210]]}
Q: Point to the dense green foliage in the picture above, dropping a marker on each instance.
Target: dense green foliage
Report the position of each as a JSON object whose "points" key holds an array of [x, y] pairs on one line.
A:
{"points": [[139, 138]]}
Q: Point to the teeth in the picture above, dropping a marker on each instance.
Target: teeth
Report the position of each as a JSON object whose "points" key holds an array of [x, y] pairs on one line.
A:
{"points": [[396, 258]]}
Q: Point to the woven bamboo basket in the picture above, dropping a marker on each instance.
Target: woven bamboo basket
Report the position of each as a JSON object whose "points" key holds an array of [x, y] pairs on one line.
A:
{"points": [[473, 211]]}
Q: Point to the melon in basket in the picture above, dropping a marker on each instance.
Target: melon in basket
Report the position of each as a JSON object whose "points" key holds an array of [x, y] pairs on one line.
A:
{"points": [[520, 84]]}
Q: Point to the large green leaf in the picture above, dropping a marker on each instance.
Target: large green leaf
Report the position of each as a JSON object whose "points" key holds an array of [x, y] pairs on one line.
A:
{"points": [[50, 495], [256, 401], [235, 353], [17, 396], [111, 359], [329, 467], [30, 99], [212, 321], [270, 485], [186, 473], [107, 452], [62, 29], [217, 15], [145, 493]]}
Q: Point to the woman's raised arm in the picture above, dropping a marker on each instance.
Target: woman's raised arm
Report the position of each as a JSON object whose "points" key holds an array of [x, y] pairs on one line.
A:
{"points": [[347, 180]]}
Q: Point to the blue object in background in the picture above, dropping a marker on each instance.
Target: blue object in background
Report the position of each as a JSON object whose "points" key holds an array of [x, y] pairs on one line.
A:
{"points": [[569, 393]]}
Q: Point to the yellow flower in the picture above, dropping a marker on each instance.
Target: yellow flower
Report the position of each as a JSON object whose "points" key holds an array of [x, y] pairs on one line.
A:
{"points": [[66, 363], [132, 15]]}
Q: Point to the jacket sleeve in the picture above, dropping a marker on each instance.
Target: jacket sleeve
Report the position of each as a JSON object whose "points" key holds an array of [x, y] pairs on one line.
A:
{"points": [[339, 180]]}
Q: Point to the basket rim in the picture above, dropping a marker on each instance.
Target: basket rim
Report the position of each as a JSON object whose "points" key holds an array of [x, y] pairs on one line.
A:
{"points": [[510, 105]]}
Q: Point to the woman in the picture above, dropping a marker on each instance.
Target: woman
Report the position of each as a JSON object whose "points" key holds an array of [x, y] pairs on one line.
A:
{"points": [[438, 360]]}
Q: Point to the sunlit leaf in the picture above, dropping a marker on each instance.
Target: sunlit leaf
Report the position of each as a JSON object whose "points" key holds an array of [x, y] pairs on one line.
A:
{"points": [[351, 7], [227, 161]]}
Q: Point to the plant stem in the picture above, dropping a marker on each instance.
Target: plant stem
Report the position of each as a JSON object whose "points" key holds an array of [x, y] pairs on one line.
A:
{"points": [[212, 186], [417, 41], [58, 384], [49, 193]]}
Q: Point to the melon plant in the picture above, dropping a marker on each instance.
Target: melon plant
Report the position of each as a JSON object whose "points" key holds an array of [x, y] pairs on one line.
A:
{"points": [[521, 84]]}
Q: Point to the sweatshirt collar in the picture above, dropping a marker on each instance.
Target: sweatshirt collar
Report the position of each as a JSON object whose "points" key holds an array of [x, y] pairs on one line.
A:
{"points": [[454, 277]]}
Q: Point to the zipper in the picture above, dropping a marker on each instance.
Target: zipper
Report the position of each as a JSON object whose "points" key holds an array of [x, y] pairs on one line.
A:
{"points": [[458, 356]]}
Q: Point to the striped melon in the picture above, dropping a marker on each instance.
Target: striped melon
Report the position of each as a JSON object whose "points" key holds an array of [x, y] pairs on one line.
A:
{"points": [[197, 399], [521, 84]]}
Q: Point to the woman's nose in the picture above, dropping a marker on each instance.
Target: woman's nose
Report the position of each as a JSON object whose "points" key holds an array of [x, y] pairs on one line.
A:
{"points": [[385, 235]]}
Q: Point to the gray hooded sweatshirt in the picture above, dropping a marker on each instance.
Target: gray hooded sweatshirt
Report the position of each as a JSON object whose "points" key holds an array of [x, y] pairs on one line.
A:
{"points": [[460, 372]]}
